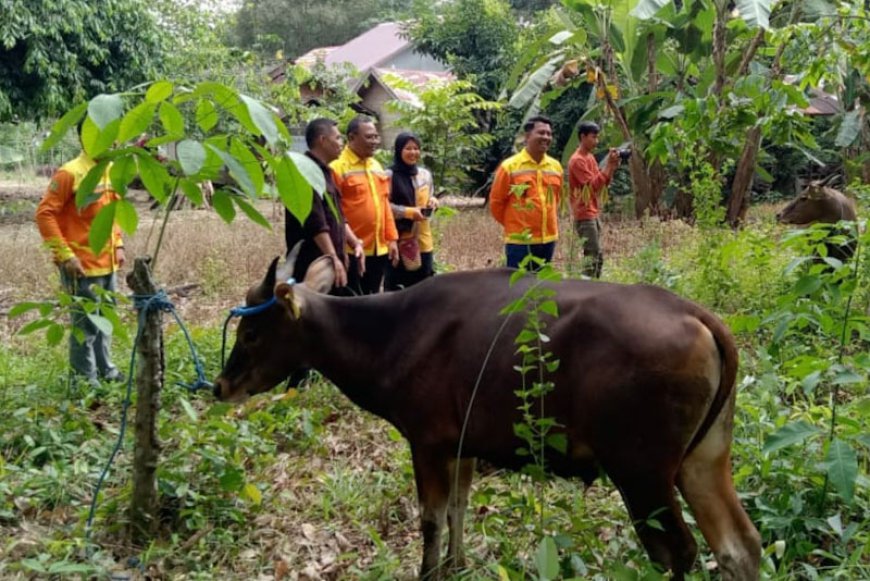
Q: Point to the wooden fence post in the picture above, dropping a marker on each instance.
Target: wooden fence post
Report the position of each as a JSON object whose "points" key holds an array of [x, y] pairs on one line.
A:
{"points": [[149, 384]]}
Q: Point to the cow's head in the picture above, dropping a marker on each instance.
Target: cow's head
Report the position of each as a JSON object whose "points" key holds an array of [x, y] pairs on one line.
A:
{"points": [[269, 343], [816, 203]]}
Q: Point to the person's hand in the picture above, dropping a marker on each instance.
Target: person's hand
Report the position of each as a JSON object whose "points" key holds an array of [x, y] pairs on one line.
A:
{"points": [[414, 213], [433, 203], [120, 257], [613, 158], [393, 252], [73, 268], [360, 255], [340, 272]]}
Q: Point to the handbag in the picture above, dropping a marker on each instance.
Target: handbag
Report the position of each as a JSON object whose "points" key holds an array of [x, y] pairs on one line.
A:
{"points": [[409, 253]]}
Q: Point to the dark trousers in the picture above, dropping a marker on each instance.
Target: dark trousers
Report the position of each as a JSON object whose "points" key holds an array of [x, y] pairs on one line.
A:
{"points": [[515, 253], [398, 277], [370, 282]]}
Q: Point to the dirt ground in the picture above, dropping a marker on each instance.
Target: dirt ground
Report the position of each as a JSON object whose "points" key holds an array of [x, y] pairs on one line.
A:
{"points": [[206, 265]]}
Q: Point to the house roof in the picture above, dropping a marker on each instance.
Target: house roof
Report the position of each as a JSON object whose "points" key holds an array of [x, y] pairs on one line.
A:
{"points": [[370, 48], [310, 58], [822, 103], [419, 79]]}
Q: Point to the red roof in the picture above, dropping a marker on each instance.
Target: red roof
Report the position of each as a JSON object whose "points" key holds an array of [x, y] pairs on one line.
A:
{"points": [[420, 79], [370, 48]]}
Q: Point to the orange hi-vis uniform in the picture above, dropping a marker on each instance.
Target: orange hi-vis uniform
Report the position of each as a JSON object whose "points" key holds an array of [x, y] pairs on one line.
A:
{"points": [[587, 183], [524, 198], [65, 228], [365, 200]]}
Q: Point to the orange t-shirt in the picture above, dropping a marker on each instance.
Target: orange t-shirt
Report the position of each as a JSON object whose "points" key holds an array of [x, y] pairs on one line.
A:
{"points": [[65, 228], [586, 182]]}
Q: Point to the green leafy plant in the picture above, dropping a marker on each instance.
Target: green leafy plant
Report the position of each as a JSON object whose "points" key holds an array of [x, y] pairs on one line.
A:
{"points": [[444, 117]]}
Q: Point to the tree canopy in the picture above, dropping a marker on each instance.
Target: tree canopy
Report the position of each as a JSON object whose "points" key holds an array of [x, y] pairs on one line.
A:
{"points": [[297, 26], [55, 54], [477, 37]]}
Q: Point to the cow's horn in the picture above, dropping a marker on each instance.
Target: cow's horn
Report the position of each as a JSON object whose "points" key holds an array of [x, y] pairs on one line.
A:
{"points": [[286, 269]]}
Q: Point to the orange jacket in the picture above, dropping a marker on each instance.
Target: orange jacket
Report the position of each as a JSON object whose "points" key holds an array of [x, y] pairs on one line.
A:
{"points": [[65, 228], [587, 184], [525, 198], [365, 200]]}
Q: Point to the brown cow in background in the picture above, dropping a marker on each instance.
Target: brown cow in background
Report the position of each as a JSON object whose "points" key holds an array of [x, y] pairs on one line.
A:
{"points": [[820, 204], [644, 390]]}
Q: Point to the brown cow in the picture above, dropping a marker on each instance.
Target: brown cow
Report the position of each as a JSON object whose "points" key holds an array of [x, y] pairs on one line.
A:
{"points": [[820, 204], [644, 391]]}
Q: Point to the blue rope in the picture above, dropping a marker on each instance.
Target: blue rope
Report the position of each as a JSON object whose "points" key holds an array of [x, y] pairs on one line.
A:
{"points": [[243, 311], [145, 304]]}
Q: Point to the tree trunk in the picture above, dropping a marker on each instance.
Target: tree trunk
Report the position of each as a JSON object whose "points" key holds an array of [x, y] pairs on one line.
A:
{"points": [[645, 197], [645, 200], [738, 203], [149, 383]]}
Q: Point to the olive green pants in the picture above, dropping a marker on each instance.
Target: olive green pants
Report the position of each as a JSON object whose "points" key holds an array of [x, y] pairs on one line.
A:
{"points": [[593, 259]]}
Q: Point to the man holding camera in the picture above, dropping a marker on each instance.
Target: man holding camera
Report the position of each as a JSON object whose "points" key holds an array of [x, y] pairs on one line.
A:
{"points": [[588, 186]]}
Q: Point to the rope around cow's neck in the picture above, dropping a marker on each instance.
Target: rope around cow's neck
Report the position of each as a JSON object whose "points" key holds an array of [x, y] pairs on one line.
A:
{"points": [[243, 311]]}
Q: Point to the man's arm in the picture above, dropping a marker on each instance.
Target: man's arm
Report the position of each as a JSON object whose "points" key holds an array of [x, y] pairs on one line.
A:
{"points": [[324, 243], [583, 172], [58, 193], [498, 194], [357, 245]]}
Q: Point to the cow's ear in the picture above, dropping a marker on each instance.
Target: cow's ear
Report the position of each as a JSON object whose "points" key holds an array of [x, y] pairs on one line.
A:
{"points": [[289, 299], [321, 275]]}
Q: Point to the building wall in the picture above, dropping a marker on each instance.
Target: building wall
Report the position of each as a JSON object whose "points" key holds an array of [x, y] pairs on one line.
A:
{"points": [[375, 98]]}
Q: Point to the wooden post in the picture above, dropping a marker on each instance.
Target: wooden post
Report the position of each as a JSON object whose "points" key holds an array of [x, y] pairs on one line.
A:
{"points": [[149, 384]]}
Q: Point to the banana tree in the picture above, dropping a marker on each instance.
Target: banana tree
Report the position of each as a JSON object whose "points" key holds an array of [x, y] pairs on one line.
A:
{"points": [[616, 60]]}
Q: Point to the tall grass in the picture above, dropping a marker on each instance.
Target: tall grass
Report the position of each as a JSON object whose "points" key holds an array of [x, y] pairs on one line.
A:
{"points": [[305, 484]]}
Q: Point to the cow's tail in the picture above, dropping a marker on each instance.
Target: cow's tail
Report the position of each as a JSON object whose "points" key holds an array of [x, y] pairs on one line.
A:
{"points": [[705, 480], [727, 377]]}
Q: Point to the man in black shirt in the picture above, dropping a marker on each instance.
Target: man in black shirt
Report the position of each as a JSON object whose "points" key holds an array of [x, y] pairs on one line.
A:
{"points": [[325, 231]]}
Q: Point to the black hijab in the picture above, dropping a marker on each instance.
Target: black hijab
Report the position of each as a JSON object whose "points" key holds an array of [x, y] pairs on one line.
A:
{"points": [[402, 189]]}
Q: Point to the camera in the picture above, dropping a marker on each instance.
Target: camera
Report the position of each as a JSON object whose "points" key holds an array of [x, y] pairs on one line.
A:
{"points": [[624, 153], [427, 211]]}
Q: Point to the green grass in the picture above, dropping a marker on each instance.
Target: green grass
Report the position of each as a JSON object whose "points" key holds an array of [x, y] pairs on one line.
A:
{"points": [[307, 482]]}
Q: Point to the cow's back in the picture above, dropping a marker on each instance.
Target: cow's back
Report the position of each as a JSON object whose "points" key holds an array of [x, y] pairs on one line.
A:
{"points": [[621, 350]]}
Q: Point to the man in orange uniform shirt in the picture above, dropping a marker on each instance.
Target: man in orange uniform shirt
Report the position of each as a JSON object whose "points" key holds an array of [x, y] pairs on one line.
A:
{"points": [[587, 183], [365, 201], [65, 230], [524, 197]]}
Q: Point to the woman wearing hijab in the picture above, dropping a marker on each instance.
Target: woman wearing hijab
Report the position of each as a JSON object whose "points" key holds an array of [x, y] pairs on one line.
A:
{"points": [[413, 201]]}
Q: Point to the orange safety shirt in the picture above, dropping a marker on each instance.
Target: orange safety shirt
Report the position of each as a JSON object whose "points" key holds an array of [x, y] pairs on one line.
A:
{"points": [[524, 198], [65, 228], [587, 183], [365, 200]]}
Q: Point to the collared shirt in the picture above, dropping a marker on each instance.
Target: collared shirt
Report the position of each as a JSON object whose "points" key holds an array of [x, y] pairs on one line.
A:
{"points": [[324, 217], [365, 192], [424, 190], [588, 184], [524, 198], [65, 228]]}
